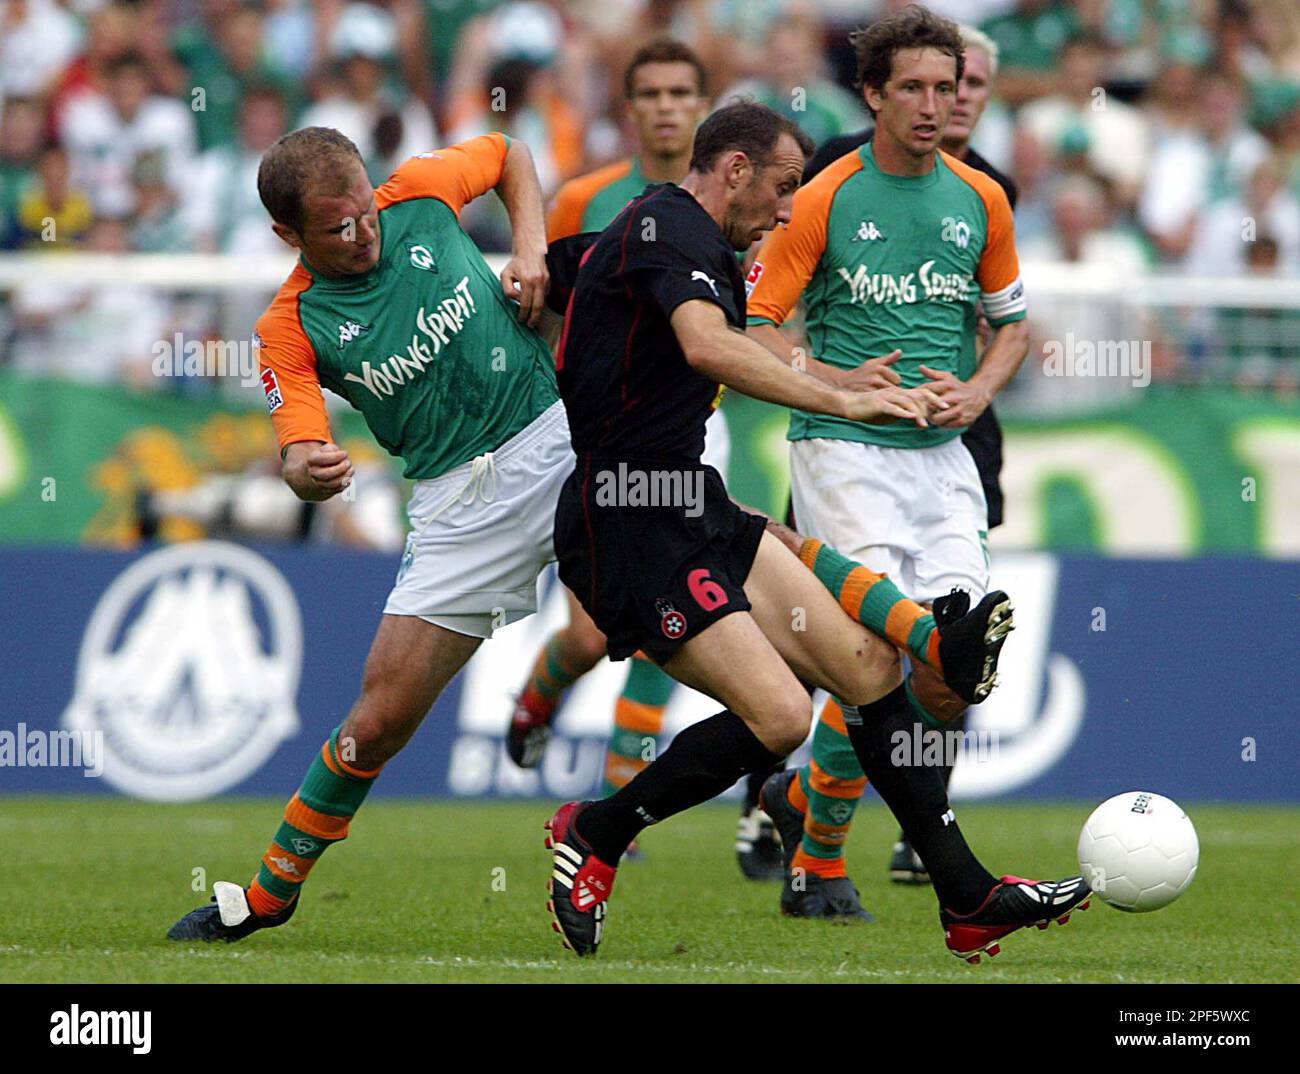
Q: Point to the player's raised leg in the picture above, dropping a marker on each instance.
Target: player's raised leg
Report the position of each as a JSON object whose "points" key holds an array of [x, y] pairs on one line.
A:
{"points": [[410, 663], [976, 909]]}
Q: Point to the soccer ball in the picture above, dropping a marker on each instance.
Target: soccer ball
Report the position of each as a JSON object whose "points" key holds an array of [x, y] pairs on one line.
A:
{"points": [[1138, 851]]}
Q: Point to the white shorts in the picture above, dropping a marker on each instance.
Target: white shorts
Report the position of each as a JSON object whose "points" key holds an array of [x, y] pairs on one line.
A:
{"points": [[717, 443], [916, 514], [483, 532]]}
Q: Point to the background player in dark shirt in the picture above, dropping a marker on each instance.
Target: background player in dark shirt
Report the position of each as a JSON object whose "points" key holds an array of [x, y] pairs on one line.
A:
{"points": [[653, 325]]}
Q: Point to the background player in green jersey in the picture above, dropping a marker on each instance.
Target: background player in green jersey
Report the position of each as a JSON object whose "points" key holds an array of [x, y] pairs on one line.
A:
{"points": [[891, 247], [393, 307]]}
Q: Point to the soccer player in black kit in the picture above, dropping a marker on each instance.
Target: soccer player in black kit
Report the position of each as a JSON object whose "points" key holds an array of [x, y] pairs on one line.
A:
{"points": [[712, 592]]}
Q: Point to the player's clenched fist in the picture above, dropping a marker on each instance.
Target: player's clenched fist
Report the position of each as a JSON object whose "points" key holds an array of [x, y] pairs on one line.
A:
{"points": [[317, 471], [893, 404]]}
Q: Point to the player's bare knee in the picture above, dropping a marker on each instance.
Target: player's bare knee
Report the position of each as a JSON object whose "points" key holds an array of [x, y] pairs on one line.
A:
{"points": [[585, 645], [789, 723]]}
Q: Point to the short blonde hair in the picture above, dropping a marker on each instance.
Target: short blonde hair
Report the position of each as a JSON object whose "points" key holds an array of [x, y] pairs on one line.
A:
{"points": [[973, 38]]}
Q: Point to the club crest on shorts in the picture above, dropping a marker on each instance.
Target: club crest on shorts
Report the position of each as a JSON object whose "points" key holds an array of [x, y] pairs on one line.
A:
{"points": [[671, 621]]}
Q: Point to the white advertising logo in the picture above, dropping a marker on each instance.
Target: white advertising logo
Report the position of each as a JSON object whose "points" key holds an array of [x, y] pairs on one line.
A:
{"points": [[189, 667]]}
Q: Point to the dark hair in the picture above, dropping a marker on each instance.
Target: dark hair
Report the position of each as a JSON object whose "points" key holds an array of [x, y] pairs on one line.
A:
{"points": [[752, 128], [126, 61], [912, 27], [312, 156], [665, 50]]}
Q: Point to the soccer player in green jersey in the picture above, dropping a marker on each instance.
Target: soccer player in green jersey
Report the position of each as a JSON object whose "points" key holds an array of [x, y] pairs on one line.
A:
{"points": [[393, 307], [891, 248]]}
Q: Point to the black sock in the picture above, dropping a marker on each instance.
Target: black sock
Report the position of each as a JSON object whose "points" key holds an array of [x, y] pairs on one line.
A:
{"points": [[703, 761], [916, 795], [754, 784], [945, 769]]}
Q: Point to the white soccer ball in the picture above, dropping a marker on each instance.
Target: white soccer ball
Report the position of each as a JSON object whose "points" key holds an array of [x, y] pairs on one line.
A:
{"points": [[1138, 851]]}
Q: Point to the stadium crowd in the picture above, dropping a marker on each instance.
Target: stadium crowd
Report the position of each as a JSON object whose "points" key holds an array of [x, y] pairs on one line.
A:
{"points": [[1141, 133]]}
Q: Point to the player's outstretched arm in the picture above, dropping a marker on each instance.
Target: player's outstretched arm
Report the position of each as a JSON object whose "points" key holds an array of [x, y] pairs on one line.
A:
{"points": [[525, 275], [872, 374], [732, 358], [315, 470]]}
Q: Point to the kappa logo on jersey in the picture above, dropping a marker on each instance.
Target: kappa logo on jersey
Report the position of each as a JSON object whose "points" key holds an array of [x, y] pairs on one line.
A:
{"points": [[956, 231], [271, 387], [885, 288], [422, 258], [436, 327], [868, 232], [350, 330], [751, 281], [698, 275]]}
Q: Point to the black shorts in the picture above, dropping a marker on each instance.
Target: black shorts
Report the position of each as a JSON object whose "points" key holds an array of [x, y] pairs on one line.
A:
{"points": [[984, 442], [652, 577]]}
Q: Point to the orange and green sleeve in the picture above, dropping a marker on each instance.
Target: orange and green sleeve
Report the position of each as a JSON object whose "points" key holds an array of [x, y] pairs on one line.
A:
{"points": [[1001, 291], [789, 257], [287, 366], [455, 175]]}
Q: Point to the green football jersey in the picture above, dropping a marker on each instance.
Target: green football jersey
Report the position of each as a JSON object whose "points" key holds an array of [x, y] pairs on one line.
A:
{"points": [[425, 344], [590, 202], [887, 261]]}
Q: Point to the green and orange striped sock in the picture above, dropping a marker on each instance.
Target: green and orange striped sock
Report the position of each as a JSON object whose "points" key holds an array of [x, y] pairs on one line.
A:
{"points": [[549, 678], [828, 790], [874, 601], [638, 723], [315, 819]]}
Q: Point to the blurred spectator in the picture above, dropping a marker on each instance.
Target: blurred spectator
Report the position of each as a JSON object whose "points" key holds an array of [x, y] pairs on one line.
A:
{"points": [[794, 83], [106, 132], [1115, 133], [222, 205], [1030, 38], [51, 211], [506, 79], [290, 36], [1226, 233], [98, 335], [1191, 169], [114, 30], [1083, 231], [157, 226], [223, 58], [38, 39], [444, 22], [1172, 103], [387, 127], [21, 135]]}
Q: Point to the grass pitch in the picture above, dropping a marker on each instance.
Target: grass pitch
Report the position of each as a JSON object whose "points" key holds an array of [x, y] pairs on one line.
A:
{"points": [[454, 892]]}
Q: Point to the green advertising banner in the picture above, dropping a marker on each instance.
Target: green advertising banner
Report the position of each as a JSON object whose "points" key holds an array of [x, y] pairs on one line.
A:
{"points": [[1178, 473]]}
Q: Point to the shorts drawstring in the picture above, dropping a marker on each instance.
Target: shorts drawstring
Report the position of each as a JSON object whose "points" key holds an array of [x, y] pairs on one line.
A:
{"points": [[482, 472]]}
